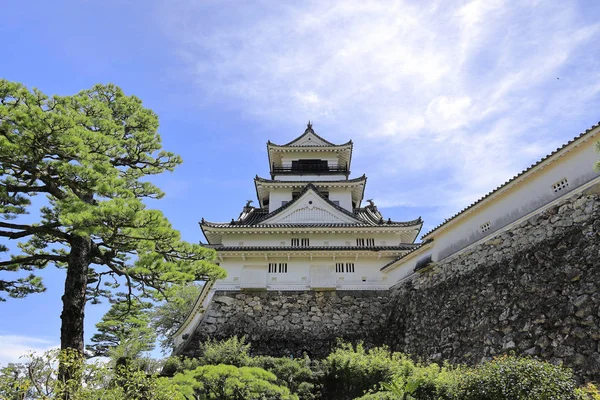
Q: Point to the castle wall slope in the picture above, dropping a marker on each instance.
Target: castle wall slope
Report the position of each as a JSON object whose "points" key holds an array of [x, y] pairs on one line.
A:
{"points": [[534, 290]]}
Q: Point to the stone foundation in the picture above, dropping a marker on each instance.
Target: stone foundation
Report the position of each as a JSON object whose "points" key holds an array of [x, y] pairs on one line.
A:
{"points": [[532, 290], [290, 323]]}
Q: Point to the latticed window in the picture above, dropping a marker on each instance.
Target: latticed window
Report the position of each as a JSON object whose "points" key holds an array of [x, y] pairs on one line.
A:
{"points": [[560, 185], [300, 242], [485, 227], [348, 268], [361, 242], [275, 268]]}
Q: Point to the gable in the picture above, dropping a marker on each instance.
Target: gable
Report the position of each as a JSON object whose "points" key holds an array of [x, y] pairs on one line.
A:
{"points": [[311, 208], [309, 139]]}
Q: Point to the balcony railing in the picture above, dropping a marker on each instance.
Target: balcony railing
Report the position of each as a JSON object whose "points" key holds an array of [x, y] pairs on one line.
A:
{"points": [[309, 169]]}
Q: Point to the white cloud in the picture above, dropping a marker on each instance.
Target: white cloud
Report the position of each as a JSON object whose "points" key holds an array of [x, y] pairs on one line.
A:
{"points": [[453, 97], [13, 347]]}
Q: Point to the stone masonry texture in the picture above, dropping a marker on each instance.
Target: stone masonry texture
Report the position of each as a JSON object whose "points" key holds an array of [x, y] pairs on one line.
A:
{"points": [[532, 290], [290, 323]]}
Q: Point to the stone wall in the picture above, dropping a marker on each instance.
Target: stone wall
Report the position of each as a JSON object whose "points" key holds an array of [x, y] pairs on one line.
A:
{"points": [[289, 323], [534, 290]]}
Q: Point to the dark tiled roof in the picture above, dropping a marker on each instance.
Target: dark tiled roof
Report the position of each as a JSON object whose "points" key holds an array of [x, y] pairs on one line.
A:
{"points": [[371, 215], [576, 138], [417, 247], [353, 180], [366, 216], [308, 130], [401, 247]]}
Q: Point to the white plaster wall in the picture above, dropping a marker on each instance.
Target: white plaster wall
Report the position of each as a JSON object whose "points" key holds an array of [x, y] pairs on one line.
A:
{"points": [[321, 239], [343, 195], [276, 196], [241, 272], [576, 165]]}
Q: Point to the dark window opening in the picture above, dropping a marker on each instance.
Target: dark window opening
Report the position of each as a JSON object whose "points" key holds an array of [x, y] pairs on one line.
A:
{"points": [[423, 262], [310, 165]]}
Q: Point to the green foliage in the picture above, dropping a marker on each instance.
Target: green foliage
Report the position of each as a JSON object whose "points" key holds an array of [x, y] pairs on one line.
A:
{"points": [[293, 373], [89, 154], [233, 351], [351, 371], [597, 165], [228, 382], [375, 374], [38, 378], [588, 392], [510, 377], [124, 331], [168, 316]]}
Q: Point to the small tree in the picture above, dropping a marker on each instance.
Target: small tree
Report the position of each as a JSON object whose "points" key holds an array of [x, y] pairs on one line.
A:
{"points": [[168, 316], [88, 154], [126, 324]]}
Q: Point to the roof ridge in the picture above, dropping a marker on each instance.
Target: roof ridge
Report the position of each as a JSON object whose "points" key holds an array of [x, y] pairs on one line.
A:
{"points": [[353, 180], [307, 131]]}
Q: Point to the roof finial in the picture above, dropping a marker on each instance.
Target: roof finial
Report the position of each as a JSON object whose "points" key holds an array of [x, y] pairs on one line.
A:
{"points": [[309, 125]]}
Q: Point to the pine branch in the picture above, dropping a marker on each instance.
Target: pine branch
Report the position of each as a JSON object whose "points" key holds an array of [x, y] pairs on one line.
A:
{"points": [[28, 230], [45, 258]]}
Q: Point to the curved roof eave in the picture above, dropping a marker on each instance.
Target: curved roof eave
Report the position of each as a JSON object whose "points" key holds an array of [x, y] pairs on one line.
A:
{"points": [[309, 130]]}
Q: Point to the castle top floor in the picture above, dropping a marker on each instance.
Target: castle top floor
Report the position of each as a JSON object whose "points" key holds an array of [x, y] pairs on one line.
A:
{"points": [[309, 157]]}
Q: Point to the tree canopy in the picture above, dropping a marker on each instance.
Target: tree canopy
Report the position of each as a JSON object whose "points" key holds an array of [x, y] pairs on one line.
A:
{"points": [[126, 324], [168, 315], [90, 154]]}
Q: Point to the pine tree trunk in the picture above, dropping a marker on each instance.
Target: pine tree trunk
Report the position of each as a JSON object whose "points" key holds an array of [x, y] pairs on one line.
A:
{"points": [[74, 298]]}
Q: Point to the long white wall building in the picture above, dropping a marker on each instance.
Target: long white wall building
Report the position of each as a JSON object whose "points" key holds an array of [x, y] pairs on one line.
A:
{"points": [[568, 169]]}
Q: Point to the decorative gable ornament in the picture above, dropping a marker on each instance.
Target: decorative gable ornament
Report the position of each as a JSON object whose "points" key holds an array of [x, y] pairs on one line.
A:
{"points": [[311, 208]]}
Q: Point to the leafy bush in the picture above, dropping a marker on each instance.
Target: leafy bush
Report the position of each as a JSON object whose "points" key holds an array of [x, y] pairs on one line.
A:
{"points": [[37, 378], [232, 351], [510, 377], [295, 374], [227, 382], [351, 371], [588, 392], [423, 382]]}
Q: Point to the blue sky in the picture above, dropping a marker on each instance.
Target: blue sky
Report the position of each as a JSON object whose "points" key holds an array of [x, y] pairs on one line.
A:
{"points": [[444, 100]]}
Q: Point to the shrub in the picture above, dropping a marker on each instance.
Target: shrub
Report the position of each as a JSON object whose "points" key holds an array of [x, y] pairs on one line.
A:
{"points": [[351, 371], [295, 374], [232, 351], [588, 392], [227, 382], [510, 377]]}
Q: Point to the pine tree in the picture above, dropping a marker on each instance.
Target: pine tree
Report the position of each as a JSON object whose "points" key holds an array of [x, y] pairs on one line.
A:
{"points": [[126, 324], [89, 154]]}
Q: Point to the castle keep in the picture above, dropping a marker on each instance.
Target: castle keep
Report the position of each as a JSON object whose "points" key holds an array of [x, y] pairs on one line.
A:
{"points": [[518, 270]]}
